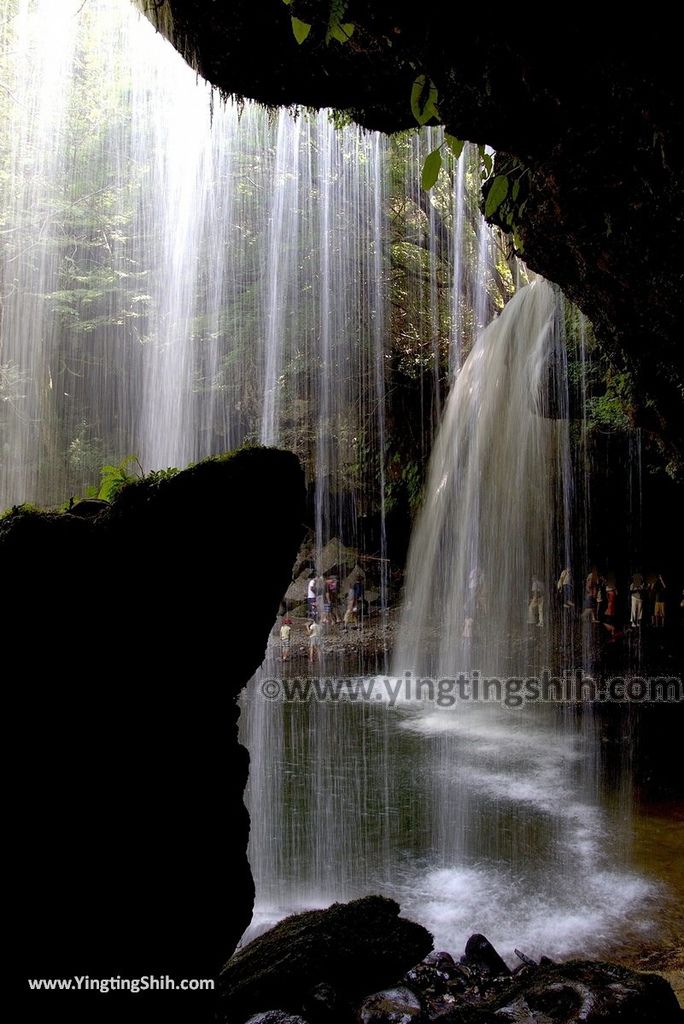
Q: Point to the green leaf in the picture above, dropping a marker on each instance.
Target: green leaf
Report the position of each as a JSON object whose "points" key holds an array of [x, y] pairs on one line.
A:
{"points": [[487, 161], [518, 243], [431, 169], [515, 191], [496, 195], [454, 144], [341, 33], [300, 30], [424, 100]]}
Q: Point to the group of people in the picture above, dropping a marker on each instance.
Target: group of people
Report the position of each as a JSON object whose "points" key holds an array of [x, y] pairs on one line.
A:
{"points": [[647, 599], [315, 631], [322, 598], [323, 609]]}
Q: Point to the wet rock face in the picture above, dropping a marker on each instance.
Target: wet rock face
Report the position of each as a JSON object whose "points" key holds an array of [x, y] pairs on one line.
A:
{"points": [[587, 991], [140, 623], [481, 957], [354, 948], [323, 1004], [440, 983], [479, 989], [393, 1006], [353, 945]]}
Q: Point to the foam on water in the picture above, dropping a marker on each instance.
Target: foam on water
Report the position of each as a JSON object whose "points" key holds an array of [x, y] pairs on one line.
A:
{"points": [[557, 922]]}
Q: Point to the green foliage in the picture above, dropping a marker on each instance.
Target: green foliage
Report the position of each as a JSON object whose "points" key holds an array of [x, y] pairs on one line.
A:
{"points": [[487, 162], [158, 476], [454, 144], [414, 479], [85, 451], [17, 510], [431, 169], [113, 478], [506, 195], [336, 29], [339, 31], [300, 30], [603, 392], [13, 382], [424, 100], [608, 411], [405, 475], [497, 193], [340, 118], [452, 148]]}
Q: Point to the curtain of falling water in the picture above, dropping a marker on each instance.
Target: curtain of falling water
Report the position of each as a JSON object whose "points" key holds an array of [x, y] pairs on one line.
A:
{"points": [[520, 829], [475, 818], [331, 803], [487, 525], [456, 342], [175, 283], [171, 287], [36, 107]]}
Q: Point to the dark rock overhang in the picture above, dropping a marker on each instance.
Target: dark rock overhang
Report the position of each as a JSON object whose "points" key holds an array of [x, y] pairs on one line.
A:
{"points": [[588, 116]]}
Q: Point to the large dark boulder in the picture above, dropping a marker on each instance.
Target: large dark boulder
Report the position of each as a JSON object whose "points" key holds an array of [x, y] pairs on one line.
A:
{"points": [[136, 627], [356, 948], [591, 992]]}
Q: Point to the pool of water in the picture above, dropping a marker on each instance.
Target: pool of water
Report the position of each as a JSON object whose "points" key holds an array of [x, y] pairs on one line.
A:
{"points": [[507, 822]]}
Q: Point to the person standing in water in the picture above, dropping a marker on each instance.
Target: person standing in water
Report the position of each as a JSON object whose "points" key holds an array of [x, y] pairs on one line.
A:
{"points": [[659, 592], [315, 641], [636, 590], [535, 609], [564, 587], [590, 596], [311, 596], [285, 630]]}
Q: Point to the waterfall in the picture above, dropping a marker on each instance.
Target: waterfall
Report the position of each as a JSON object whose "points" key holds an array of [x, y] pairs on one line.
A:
{"points": [[35, 102], [179, 275], [475, 816], [493, 498]]}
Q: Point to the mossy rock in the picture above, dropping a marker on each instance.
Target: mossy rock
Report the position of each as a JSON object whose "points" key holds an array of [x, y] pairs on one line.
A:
{"points": [[138, 628], [356, 948]]}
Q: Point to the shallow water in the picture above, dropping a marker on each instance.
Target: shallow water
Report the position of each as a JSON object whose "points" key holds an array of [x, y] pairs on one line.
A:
{"points": [[474, 819]]}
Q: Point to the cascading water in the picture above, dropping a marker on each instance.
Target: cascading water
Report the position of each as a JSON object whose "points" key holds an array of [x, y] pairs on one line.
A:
{"points": [[36, 106], [491, 509], [171, 287], [520, 841], [476, 817], [180, 275]]}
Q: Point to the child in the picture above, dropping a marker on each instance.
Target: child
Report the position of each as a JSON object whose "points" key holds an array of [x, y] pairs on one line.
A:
{"points": [[315, 640], [285, 630]]}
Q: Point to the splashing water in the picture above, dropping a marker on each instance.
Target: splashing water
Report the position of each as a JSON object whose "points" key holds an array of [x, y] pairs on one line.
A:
{"points": [[490, 516], [474, 817]]}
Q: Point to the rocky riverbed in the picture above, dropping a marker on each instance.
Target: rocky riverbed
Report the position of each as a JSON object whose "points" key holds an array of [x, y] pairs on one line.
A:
{"points": [[361, 963]]}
